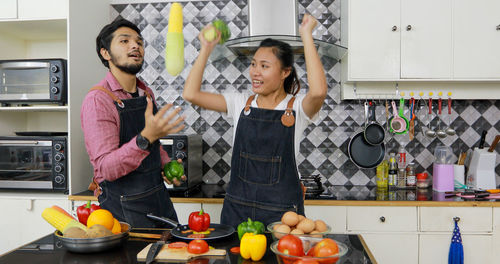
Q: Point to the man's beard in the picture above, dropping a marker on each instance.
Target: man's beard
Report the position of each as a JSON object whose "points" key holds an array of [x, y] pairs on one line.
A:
{"points": [[127, 68]]}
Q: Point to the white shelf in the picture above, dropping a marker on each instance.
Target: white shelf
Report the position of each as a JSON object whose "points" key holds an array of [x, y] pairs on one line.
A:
{"points": [[39, 108], [49, 29]]}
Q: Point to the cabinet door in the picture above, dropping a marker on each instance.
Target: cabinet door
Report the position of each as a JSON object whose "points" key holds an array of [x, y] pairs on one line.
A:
{"points": [[44, 9], [434, 248], [381, 218], [374, 33], [476, 39], [334, 216], [8, 10], [440, 219], [394, 248], [426, 39]]}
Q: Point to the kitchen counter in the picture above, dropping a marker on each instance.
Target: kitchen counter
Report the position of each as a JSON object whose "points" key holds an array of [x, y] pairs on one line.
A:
{"points": [[335, 196], [49, 250]]}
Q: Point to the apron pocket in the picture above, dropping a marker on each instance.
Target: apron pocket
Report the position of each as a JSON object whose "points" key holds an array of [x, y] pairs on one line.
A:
{"points": [[259, 169], [136, 206]]}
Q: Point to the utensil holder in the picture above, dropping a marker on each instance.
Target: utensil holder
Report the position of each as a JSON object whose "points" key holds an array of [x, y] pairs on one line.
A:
{"points": [[443, 178], [481, 173]]}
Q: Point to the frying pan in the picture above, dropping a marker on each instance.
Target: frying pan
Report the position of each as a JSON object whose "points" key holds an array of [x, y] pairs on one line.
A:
{"points": [[363, 154], [374, 132], [219, 230]]}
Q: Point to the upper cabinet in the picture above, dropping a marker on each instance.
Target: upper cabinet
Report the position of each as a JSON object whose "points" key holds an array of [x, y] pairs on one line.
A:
{"points": [[424, 46], [34, 9]]}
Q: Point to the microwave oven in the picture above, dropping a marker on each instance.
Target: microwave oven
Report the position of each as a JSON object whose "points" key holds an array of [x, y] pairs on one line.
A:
{"points": [[35, 163], [188, 148], [27, 82]]}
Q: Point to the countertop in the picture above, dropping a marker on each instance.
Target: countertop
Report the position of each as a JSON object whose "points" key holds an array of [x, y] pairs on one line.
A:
{"points": [[49, 250], [335, 196]]}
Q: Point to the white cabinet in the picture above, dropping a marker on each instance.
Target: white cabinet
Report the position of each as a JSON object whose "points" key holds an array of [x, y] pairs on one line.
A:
{"points": [[472, 219], [22, 221], [434, 248], [42, 9], [8, 9], [334, 216], [393, 248], [381, 219], [476, 31]]}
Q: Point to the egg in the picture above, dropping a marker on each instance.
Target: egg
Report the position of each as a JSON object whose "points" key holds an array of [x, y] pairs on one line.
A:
{"points": [[314, 232], [320, 226], [307, 225], [301, 217], [297, 231], [290, 218], [281, 230]]}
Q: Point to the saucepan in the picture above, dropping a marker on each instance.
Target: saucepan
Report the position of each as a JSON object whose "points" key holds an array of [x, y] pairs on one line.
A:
{"points": [[183, 232]]}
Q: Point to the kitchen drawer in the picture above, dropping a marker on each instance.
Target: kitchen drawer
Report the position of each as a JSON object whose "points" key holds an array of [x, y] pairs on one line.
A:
{"points": [[472, 219], [334, 216], [381, 218], [434, 248]]}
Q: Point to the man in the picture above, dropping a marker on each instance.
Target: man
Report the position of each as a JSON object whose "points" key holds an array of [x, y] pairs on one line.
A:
{"points": [[121, 126]]}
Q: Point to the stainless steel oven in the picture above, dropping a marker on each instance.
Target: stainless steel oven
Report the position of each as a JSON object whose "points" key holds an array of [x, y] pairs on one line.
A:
{"points": [[189, 149], [33, 81], [36, 163]]}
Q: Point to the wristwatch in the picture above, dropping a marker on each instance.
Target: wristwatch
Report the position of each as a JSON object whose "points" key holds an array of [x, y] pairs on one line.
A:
{"points": [[143, 143]]}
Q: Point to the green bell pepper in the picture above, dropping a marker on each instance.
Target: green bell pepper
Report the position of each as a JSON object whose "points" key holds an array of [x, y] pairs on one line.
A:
{"points": [[173, 169], [250, 226]]}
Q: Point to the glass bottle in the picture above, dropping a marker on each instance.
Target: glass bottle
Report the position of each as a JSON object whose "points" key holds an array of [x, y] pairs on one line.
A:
{"points": [[411, 179], [401, 157], [393, 172]]}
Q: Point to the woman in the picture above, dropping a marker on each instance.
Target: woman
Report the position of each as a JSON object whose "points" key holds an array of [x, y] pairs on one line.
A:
{"points": [[264, 179]]}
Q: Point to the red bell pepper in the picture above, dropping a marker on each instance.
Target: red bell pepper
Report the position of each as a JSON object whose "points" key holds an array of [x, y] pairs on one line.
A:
{"points": [[83, 211], [199, 221]]}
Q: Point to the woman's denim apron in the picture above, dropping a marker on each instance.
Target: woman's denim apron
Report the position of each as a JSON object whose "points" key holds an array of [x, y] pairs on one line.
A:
{"points": [[142, 191], [264, 180]]}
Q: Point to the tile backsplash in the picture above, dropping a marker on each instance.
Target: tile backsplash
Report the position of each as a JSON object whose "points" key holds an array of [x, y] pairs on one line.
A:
{"points": [[324, 149]]}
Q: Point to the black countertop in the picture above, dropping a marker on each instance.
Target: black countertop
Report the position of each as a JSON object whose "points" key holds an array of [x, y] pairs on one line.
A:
{"points": [[49, 250]]}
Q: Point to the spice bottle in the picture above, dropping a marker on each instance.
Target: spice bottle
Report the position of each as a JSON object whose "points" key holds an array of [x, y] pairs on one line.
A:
{"points": [[401, 178], [411, 179]]}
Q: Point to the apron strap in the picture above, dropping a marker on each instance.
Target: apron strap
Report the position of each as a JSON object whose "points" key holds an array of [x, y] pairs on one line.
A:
{"points": [[287, 119], [114, 97]]}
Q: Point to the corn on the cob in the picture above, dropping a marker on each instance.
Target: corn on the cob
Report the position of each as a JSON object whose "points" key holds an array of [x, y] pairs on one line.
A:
{"points": [[59, 220], [174, 50]]}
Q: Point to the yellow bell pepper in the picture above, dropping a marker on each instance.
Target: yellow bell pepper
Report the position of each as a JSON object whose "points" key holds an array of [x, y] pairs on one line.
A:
{"points": [[253, 246]]}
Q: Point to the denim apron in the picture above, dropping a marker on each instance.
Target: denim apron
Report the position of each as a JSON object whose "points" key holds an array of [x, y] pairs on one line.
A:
{"points": [[264, 180], [142, 191]]}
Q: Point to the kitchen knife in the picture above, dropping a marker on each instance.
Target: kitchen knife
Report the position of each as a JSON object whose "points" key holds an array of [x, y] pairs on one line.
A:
{"points": [[483, 138], [157, 246], [494, 144]]}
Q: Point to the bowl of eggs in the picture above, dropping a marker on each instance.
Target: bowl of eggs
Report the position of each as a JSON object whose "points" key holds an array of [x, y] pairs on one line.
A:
{"points": [[299, 225]]}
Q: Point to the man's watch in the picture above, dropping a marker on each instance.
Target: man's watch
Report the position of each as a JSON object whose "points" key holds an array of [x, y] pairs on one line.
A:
{"points": [[143, 143]]}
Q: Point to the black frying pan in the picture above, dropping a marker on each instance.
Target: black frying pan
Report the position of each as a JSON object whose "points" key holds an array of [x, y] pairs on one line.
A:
{"points": [[362, 153], [219, 230], [374, 133]]}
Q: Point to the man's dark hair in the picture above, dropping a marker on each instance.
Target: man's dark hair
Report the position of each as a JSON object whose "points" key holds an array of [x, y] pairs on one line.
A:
{"points": [[104, 38]]}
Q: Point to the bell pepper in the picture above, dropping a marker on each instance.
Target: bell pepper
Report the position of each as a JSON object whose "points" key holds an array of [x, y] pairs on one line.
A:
{"points": [[199, 221], [173, 169], [253, 246], [83, 211], [250, 226]]}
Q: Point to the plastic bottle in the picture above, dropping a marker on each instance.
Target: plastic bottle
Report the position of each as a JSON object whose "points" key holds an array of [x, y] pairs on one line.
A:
{"points": [[381, 175], [393, 171], [401, 157]]}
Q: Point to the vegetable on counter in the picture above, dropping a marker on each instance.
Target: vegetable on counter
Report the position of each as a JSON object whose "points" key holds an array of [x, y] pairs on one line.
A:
{"points": [[291, 245], [197, 246], [250, 226], [60, 220], [221, 26], [199, 221], [83, 211], [253, 246], [174, 48], [173, 169]]}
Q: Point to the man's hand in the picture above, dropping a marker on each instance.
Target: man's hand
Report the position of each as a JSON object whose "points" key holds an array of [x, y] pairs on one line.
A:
{"points": [[158, 126], [175, 181]]}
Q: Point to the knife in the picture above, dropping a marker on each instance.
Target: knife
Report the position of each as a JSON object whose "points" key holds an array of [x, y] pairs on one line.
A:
{"points": [[483, 137], [157, 246]]}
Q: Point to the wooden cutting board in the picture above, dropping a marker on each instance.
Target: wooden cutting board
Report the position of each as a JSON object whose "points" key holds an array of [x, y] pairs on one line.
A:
{"points": [[168, 254]]}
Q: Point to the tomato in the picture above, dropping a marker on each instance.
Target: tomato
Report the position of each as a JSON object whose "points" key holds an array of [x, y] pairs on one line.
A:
{"points": [[196, 236], [235, 250], [197, 246], [326, 247], [291, 245], [306, 261], [177, 245]]}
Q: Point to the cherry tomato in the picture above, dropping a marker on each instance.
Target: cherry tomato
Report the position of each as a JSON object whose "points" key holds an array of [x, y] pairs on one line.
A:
{"points": [[326, 247], [177, 245], [197, 246], [291, 245], [235, 250]]}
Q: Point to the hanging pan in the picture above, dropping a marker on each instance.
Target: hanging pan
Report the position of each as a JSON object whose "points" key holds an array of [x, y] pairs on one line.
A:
{"points": [[374, 132], [363, 154]]}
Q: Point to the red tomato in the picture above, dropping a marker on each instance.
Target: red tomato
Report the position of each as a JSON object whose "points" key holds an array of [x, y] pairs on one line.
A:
{"points": [[197, 246], [291, 245], [306, 261], [326, 247], [177, 245]]}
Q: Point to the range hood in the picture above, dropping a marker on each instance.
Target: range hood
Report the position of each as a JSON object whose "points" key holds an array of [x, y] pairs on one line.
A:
{"points": [[277, 19]]}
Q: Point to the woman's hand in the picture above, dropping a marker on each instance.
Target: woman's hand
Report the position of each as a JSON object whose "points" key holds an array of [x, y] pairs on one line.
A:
{"points": [[175, 181], [205, 44], [307, 26]]}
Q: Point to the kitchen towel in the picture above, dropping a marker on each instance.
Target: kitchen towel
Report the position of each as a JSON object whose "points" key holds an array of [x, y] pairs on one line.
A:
{"points": [[456, 254]]}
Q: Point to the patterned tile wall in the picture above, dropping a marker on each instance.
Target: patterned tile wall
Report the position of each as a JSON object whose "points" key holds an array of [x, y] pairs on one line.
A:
{"points": [[324, 148]]}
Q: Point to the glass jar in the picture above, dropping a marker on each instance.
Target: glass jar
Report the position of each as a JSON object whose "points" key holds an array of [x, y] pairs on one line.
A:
{"points": [[401, 182], [411, 178]]}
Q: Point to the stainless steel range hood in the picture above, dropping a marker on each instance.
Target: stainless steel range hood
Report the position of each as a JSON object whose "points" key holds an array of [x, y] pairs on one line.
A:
{"points": [[275, 19]]}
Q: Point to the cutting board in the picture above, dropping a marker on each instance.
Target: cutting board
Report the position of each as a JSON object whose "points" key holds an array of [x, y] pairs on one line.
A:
{"points": [[168, 254]]}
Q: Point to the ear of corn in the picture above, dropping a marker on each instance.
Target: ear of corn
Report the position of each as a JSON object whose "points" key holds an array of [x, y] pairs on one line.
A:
{"points": [[59, 220], [174, 50]]}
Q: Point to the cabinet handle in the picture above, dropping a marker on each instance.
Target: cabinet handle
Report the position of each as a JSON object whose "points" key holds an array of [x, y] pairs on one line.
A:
{"points": [[408, 28], [498, 27], [394, 28], [382, 219]]}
